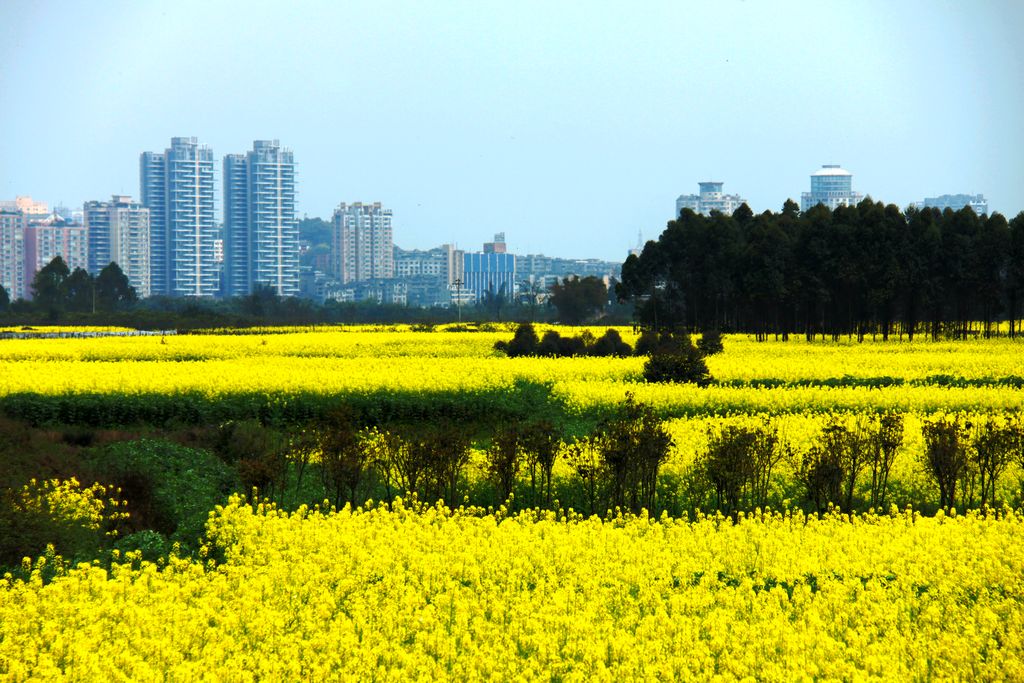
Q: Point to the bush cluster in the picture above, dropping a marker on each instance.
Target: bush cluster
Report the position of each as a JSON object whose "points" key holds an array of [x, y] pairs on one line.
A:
{"points": [[525, 342]]}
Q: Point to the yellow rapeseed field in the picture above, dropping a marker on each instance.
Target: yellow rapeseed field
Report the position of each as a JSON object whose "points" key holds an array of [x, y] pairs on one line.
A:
{"points": [[431, 594], [815, 376]]}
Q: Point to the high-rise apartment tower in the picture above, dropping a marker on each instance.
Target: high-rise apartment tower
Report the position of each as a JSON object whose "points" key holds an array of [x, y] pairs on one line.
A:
{"points": [[119, 232], [261, 233], [12, 252], [177, 188], [363, 244]]}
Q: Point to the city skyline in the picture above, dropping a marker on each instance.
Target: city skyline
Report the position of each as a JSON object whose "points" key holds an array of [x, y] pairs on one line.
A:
{"points": [[577, 129]]}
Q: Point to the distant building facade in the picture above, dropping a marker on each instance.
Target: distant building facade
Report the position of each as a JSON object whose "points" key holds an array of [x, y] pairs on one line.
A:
{"points": [[498, 246], [261, 232], [118, 232], [831, 186], [26, 206], [177, 188], [490, 272], [711, 198], [391, 291], [50, 237], [437, 262], [363, 243], [12, 252], [537, 266], [955, 202], [428, 274]]}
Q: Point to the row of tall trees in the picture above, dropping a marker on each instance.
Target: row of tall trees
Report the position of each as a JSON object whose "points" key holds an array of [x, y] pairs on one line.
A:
{"points": [[57, 289], [864, 269]]}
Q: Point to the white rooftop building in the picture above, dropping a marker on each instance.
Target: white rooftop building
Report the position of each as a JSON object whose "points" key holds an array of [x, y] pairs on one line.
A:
{"points": [[711, 198], [831, 186]]}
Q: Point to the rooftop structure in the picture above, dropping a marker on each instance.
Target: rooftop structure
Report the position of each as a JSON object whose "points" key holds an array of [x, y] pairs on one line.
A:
{"points": [[831, 186], [711, 198]]}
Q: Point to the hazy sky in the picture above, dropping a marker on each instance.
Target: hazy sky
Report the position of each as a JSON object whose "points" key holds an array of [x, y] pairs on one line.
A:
{"points": [[569, 126]]}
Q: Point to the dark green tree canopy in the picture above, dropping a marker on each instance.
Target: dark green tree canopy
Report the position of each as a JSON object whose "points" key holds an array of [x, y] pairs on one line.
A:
{"points": [[5, 300], [113, 290], [79, 291], [855, 270], [578, 300], [48, 287]]}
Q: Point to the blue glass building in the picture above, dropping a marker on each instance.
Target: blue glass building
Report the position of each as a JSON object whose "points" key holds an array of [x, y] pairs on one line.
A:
{"points": [[489, 272]]}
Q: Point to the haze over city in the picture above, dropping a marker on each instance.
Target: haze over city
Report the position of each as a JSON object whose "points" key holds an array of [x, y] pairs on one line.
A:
{"points": [[569, 127]]}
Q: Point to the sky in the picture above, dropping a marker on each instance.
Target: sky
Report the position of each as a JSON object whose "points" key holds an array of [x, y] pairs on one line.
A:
{"points": [[569, 126]]}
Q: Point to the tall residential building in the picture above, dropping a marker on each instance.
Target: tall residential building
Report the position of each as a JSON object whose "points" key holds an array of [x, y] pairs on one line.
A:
{"points": [[956, 202], [119, 232], [261, 233], [363, 245], [12, 252], [96, 216], [711, 198], [48, 238], [831, 186], [177, 188], [153, 195]]}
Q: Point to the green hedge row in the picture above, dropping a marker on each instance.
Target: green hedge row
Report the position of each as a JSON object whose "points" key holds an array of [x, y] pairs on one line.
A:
{"points": [[523, 400]]}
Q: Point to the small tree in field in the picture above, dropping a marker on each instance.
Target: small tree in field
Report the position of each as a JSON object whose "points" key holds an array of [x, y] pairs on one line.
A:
{"points": [[503, 460], [885, 442], [946, 456], [542, 445], [344, 460], [994, 444]]}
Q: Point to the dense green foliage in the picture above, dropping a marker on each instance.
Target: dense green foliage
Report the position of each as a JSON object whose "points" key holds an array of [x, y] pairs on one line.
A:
{"points": [[579, 300], [861, 270], [525, 342]]}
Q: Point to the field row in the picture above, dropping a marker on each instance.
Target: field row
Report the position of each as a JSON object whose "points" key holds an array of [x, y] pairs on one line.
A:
{"points": [[432, 594], [744, 360]]}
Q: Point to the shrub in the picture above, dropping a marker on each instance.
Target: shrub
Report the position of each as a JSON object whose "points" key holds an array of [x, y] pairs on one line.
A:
{"points": [[151, 544], [822, 474], [946, 456], [633, 447], [710, 343], [739, 464], [686, 365], [994, 445], [524, 342], [610, 344], [344, 458], [504, 458], [77, 521], [169, 488], [550, 344], [651, 343]]}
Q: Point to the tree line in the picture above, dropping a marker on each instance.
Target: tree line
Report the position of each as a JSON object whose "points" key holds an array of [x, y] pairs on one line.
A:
{"points": [[855, 270], [56, 289]]}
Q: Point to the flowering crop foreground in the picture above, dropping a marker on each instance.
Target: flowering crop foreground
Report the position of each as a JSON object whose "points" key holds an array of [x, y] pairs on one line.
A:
{"points": [[431, 594]]}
